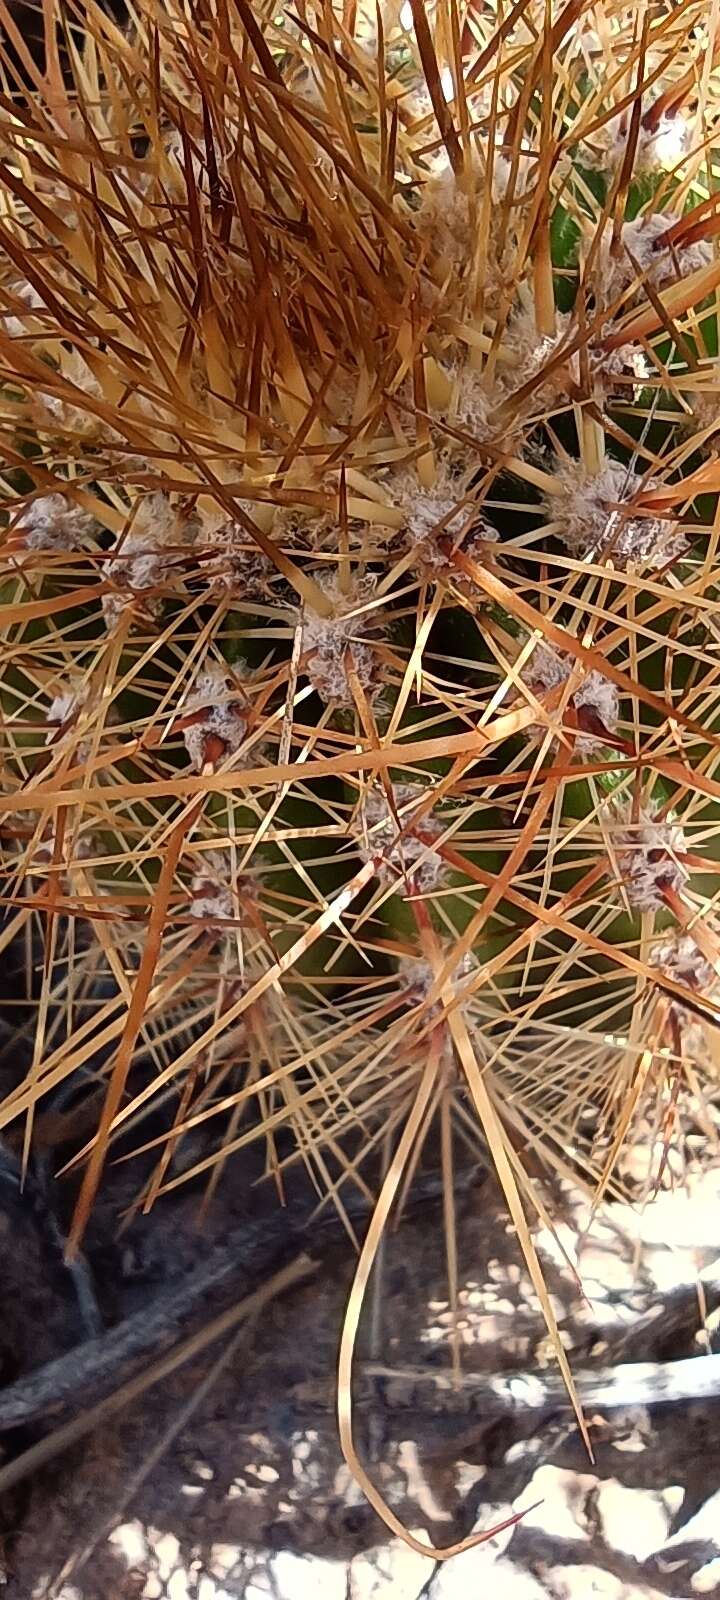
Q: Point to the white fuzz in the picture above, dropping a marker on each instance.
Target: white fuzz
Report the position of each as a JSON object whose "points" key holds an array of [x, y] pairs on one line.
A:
{"points": [[658, 149], [437, 513], [44, 852], [54, 523], [664, 146], [607, 366], [417, 978], [471, 406], [643, 241], [679, 959], [15, 323], [447, 222], [210, 892], [218, 716], [443, 216], [530, 348], [59, 711], [592, 530], [63, 413], [525, 175], [474, 407], [230, 562], [704, 412], [646, 859], [175, 153], [329, 641], [141, 564], [595, 694], [530, 352], [406, 854], [62, 716], [65, 707]]}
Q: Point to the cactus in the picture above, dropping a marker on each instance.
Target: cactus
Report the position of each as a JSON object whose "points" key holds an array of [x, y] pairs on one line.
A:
{"points": [[359, 564]]}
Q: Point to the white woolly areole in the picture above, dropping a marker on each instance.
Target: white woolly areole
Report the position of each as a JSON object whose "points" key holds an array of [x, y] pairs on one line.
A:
{"points": [[472, 406], [65, 706], [530, 352], [416, 979], [447, 222], [646, 861], [15, 323], [526, 171], [61, 708], [210, 890], [526, 352], [642, 240], [439, 512], [63, 413], [61, 716], [54, 523], [679, 959], [224, 718], [607, 366], [548, 669], [44, 853], [327, 641], [141, 564], [443, 216], [406, 853], [704, 411], [658, 149], [590, 527], [230, 562]]}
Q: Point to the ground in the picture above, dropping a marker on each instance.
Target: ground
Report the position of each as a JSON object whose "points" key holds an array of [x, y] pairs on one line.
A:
{"points": [[239, 1488]]}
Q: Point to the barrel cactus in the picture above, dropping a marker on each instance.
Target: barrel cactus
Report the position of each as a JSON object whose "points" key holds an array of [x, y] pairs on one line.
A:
{"points": [[359, 403]]}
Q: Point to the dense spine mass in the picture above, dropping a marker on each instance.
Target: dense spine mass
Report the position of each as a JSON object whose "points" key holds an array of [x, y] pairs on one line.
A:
{"points": [[360, 739]]}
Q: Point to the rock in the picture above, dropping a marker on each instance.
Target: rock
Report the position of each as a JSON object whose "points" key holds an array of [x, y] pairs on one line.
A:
{"points": [[178, 1586], [635, 1521], [606, 1266], [637, 1434], [165, 1550], [208, 1589], [707, 1579], [562, 1497], [223, 1557], [393, 1569], [677, 1220], [591, 1583], [469, 1572], [292, 1575], [703, 1528], [130, 1542], [504, 1580]]}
